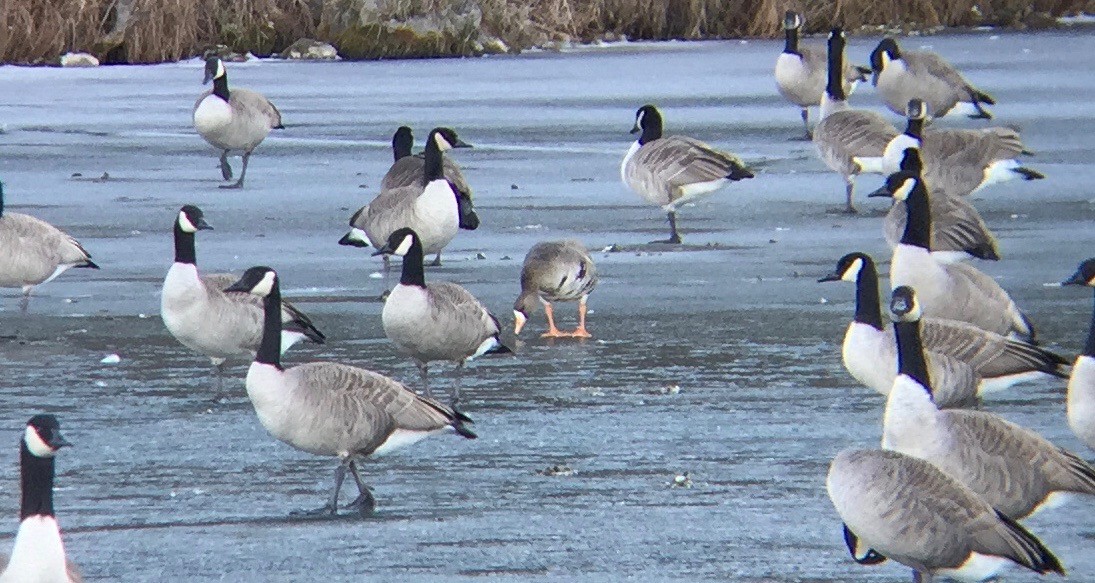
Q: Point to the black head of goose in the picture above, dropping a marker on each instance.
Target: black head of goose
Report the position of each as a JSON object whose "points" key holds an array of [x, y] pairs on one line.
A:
{"points": [[1085, 275], [191, 219], [648, 124], [402, 143], [906, 314], [792, 23], [860, 269], [39, 553], [907, 187], [834, 84], [215, 72], [439, 141], [886, 52]]}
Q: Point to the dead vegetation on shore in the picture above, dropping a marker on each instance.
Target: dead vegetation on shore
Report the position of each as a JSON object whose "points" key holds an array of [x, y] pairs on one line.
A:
{"points": [[145, 31]]}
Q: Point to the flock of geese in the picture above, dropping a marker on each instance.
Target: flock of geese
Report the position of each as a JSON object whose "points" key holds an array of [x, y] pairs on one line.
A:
{"points": [[945, 493]]}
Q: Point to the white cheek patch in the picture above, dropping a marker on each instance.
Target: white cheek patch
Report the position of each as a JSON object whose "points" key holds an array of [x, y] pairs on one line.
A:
{"points": [[902, 193], [852, 273], [405, 246], [36, 445], [265, 286], [441, 142], [185, 224], [885, 58], [220, 70], [639, 119]]}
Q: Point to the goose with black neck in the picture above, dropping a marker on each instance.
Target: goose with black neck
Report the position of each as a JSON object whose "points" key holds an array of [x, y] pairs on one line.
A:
{"points": [[331, 409], [1081, 385], [435, 321]]}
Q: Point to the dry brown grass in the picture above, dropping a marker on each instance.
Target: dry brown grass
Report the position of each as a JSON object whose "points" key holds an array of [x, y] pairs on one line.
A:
{"points": [[162, 30]]}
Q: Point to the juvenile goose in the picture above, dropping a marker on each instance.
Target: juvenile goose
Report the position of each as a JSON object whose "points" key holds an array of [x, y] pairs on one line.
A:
{"points": [[670, 171], [39, 553], [439, 321], [202, 315], [958, 231], [904, 508], [431, 205], [844, 136], [964, 361], [1014, 469], [331, 409], [35, 252], [801, 71], [953, 291], [1081, 386], [901, 76], [236, 120], [555, 271], [959, 161]]}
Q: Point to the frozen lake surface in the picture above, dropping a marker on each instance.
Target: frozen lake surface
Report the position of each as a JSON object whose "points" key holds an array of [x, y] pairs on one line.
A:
{"points": [[167, 484]]}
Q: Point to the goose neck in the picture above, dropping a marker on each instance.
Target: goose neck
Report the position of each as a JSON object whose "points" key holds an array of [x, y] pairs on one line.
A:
{"points": [[915, 128], [910, 353], [413, 271], [184, 246], [834, 86], [1089, 347], [791, 41], [220, 87], [867, 308], [37, 481], [918, 224], [270, 346]]}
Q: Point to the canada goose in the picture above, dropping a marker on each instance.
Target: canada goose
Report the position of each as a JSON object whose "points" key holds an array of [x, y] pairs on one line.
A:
{"points": [[908, 510], [1014, 469], [959, 161], [801, 71], [407, 168], [953, 291], [431, 204], [439, 321], [39, 553], [958, 231], [204, 317], [845, 135], [670, 171], [35, 252], [901, 76], [331, 409], [1081, 386], [238, 120], [555, 271]]}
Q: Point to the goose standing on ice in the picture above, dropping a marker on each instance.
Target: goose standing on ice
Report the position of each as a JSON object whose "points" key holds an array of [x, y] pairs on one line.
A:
{"points": [[202, 315], [438, 321], [1015, 470], [801, 71], [844, 136], [35, 252], [555, 271], [1081, 386], [901, 76], [331, 409], [237, 120], [39, 554], [432, 204], [675, 170]]}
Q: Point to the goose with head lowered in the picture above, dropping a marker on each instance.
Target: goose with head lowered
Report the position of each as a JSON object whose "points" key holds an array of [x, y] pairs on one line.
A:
{"points": [[952, 291], [960, 161], [901, 76], [555, 271], [801, 71], [958, 232], [671, 171], [436, 321], [331, 409], [436, 203], [1015, 470], [34, 252], [39, 553], [965, 361], [1081, 385], [844, 136], [206, 318], [235, 120]]}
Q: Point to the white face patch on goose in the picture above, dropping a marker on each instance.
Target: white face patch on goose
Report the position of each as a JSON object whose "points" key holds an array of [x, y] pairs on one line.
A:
{"points": [[442, 143], [264, 286], [902, 192], [885, 58], [35, 443], [405, 245], [852, 273], [220, 70], [914, 312], [185, 224]]}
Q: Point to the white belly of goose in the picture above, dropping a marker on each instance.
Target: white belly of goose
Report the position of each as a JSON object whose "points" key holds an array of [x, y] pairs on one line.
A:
{"points": [[864, 358], [977, 568], [406, 312], [895, 150], [403, 437], [1081, 399], [38, 555], [212, 114], [627, 158], [271, 395], [438, 216]]}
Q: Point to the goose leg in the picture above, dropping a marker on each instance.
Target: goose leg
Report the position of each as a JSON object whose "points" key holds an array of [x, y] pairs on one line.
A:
{"points": [[581, 331], [454, 400], [922, 577], [849, 191], [226, 168], [437, 260], [24, 303], [424, 372], [331, 507], [552, 332], [674, 236], [806, 124], [243, 173], [364, 503]]}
